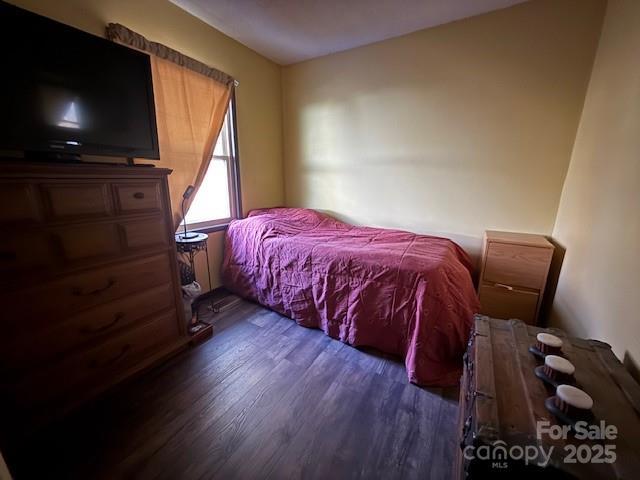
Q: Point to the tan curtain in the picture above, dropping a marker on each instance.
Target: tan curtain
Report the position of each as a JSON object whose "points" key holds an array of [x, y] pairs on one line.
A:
{"points": [[191, 100], [190, 110]]}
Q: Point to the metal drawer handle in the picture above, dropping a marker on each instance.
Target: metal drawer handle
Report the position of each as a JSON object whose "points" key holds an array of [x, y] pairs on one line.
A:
{"points": [[119, 316], [111, 361], [138, 195], [502, 285], [81, 293]]}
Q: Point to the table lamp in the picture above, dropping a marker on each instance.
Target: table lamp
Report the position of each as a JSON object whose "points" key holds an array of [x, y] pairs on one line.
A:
{"points": [[185, 196]]}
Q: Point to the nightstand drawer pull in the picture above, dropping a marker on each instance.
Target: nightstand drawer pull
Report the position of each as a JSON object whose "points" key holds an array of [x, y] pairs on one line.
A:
{"points": [[138, 195], [502, 285]]}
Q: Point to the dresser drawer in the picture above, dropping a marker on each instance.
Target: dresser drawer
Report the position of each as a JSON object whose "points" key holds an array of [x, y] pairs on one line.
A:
{"points": [[19, 204], [38, 250], [94, 241], [25, 251], [516, 265], [62, 298], [30, 347], [138, 197], [506, 303], [96, 366], [144, 234], [77, 200]]}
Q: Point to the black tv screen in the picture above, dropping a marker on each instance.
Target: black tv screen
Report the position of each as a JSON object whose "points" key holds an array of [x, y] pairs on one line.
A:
{"points": [[64, 91]]}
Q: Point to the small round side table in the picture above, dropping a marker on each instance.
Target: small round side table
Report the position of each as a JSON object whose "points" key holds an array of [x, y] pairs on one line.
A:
{"points": [[189, 245]]}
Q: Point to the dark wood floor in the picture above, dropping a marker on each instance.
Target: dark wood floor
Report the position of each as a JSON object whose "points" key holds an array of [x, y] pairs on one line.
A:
{"points": [[264, 398]]}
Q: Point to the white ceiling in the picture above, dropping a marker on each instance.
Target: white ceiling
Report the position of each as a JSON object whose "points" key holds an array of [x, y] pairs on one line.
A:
{"points": [[290, 31]]}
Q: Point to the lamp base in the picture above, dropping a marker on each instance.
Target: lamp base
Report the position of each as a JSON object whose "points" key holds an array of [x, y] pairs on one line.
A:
{"points": [[187, 235]]}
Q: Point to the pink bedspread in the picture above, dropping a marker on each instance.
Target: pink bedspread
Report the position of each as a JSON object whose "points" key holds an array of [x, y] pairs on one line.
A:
{"points": [[405, 294]]}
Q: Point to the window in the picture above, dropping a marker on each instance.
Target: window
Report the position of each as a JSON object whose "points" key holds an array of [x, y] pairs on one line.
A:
{"points": [[218, 198]]}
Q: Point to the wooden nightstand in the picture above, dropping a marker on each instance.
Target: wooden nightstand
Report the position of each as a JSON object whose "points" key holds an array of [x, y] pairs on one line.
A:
{"points": [[514, 274]]}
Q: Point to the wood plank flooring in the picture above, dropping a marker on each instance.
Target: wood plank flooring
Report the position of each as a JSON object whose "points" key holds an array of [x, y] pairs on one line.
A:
{"points": [[264, 398]]}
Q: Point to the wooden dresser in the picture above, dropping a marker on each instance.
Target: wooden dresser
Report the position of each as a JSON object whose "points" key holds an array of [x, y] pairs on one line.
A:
{"points": [[89, 288], [502, 409], [514, 275]]}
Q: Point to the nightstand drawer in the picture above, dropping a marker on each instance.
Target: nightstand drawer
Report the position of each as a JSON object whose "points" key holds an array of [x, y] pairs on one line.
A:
{"points": [[507, 302], [517, 265]]}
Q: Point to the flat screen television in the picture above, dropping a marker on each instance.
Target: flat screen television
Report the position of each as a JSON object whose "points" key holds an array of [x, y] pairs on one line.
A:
{"points": [[64, 92]]}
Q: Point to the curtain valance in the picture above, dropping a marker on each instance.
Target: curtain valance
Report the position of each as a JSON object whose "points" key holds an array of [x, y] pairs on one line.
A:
{"points": [[121, 34]]}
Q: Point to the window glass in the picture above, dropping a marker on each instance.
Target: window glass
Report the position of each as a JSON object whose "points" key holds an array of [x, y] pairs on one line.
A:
{"points": [[215, 202]]}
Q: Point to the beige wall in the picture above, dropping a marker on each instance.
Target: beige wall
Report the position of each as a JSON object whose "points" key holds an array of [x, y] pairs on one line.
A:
{"points": [[258, 96], [454, 129], [599, 216]]}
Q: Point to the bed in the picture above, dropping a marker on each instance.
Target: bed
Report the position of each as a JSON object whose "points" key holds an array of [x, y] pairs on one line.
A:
{"points": [[404, 294]]}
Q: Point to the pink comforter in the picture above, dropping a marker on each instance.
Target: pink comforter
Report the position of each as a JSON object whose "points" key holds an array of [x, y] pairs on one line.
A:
{"points": [[405, 294]]}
